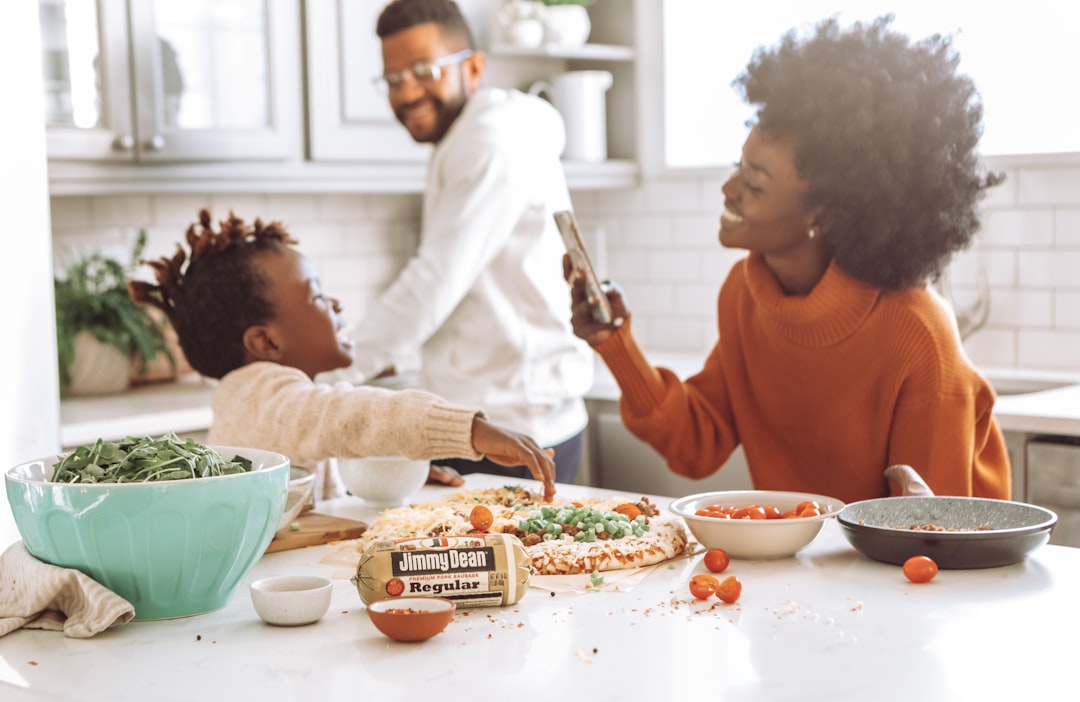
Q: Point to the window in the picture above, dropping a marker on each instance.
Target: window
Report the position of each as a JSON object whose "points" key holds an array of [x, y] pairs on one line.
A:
{"points": [[1022, 59]]}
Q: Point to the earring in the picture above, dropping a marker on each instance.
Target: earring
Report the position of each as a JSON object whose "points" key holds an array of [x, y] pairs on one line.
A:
{"points": [[812, 233]]}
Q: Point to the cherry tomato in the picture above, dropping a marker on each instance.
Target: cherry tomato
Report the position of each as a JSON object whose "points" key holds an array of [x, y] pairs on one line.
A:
{"points": [[481, 518], [703, 586], [807, 508], [730, 589], [920, 569], [629, 510], [749, 512], [716, 560]]}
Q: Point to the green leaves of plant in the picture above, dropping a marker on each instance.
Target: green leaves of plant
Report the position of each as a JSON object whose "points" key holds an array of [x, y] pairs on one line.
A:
{"points": [[93, 297], [144, 459]]}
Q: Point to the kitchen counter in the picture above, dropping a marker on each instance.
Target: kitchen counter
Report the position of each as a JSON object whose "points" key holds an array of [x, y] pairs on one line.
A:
{"points": [[151, 410], [184, 406], [826, 624], [1053, 411]]}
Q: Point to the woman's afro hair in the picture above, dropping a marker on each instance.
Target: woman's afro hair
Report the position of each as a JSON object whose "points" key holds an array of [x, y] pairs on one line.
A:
{"points": [[885, 133]]}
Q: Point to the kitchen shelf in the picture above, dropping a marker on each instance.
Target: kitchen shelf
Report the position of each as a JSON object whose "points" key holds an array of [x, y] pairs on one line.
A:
{"points": [[587, 52], [85, 179]]}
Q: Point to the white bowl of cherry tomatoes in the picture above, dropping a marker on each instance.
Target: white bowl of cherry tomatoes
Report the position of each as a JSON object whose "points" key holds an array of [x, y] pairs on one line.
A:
{"points": [[756, 524]]}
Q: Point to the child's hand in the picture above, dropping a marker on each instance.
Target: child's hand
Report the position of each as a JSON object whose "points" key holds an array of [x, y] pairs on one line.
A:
{"points": [[444, 475], [509, 448]]}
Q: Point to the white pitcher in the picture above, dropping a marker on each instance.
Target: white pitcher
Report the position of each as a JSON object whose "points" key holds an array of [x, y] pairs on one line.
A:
{"points": [[580, 97]]}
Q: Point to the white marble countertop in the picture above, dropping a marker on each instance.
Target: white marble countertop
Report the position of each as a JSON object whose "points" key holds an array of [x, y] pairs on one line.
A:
{"points": [[1054, 411], [827, 624]]}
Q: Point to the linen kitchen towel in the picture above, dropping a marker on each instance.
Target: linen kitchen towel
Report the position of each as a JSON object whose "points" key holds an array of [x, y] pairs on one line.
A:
{"points": [[37, 595]]}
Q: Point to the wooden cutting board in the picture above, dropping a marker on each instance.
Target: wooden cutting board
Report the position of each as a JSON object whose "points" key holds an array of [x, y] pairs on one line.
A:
{"points": [[315, 529]]}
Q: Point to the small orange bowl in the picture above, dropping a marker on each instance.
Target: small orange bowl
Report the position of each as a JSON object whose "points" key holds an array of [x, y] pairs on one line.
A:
{"points": [[411, 618]]}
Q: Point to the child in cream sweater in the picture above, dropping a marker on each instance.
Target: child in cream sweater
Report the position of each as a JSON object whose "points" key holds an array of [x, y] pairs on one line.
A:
{"points": [[249, 310]]}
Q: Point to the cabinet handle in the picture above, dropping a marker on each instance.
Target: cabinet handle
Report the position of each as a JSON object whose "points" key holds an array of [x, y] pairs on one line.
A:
{"points": [[124, 142], [154, 143]]}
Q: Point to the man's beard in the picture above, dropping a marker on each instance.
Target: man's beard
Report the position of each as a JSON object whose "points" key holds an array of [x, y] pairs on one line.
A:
{"points": [[445, 112]]}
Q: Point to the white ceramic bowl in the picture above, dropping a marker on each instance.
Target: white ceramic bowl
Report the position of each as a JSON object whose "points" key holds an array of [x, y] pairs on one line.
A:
{"points": [[291, 600], [755, 539], [301, 489], [386, 481]]}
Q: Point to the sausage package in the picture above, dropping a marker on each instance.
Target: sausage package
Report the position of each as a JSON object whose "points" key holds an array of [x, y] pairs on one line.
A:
{"points": [[482, 570]]}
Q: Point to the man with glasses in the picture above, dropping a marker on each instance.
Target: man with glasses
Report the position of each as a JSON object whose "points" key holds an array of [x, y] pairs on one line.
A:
{"points": [[483, 297]]}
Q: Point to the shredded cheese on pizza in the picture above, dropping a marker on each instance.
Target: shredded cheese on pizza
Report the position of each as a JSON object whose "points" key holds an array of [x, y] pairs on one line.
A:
{"points": [[663, 538]]}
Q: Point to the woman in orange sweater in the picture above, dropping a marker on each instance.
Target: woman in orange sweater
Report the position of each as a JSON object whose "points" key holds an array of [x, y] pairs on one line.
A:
{"points": [[835, 360]]}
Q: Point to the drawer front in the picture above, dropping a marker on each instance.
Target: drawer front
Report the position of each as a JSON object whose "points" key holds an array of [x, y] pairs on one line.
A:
{"points": [[1053, 480]]}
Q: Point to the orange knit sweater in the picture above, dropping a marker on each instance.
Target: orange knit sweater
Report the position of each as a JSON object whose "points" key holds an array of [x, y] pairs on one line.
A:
{"points": [[824, 391]]}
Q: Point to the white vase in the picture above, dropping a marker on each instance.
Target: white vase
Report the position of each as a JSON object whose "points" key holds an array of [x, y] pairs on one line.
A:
{"points": [[98, 368], [528, 33], [566, 25], [580, 97]]}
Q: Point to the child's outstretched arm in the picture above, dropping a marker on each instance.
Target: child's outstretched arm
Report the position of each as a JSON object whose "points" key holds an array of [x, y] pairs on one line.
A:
{"points": [[509, 448]]}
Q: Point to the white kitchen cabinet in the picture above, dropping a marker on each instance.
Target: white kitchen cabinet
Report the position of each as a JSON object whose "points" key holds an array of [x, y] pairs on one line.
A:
{"points": [[618, 460], [157, 81], [350, 121]]}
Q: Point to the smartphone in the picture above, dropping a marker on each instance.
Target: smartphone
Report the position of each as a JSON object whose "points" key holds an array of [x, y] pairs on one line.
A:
{"points": [[579, 259]]}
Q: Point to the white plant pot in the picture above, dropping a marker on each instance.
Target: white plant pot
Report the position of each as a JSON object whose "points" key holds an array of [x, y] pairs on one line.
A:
{"points": [[566, 25], [98, 368], [524, 33]]}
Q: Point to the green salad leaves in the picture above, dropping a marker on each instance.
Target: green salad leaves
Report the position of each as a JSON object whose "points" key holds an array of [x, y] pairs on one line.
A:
{"points": [[144, 459]]}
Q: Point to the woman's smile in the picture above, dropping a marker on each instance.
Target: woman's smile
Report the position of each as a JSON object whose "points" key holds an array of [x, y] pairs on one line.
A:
{"points": [[730, 217]]}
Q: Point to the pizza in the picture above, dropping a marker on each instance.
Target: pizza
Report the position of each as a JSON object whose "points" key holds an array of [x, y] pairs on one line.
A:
{"points": [[561, 538]]}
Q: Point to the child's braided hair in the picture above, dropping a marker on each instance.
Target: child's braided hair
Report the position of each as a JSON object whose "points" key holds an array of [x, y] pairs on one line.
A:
{"points": [[220, 293]]}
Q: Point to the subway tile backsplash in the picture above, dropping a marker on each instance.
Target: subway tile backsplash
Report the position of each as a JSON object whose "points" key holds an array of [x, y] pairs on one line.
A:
{"points": [[659, 243]]}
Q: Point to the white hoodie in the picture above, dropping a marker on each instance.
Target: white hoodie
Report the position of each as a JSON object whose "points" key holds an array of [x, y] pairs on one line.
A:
{"points": [[484, 297]]}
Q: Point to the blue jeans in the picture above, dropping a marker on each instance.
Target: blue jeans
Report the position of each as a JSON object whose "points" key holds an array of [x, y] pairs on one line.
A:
{"points": [[567, 461]]}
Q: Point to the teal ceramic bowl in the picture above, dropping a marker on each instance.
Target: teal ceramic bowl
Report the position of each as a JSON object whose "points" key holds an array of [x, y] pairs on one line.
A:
{"points": [[173, 549]]}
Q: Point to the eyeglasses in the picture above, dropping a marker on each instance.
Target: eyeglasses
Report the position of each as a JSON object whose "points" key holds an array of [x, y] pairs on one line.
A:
{"points": [[427, 71]]}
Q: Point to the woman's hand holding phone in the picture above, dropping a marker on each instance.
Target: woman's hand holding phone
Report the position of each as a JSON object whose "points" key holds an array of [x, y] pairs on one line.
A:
{"points": [[583, 318]]}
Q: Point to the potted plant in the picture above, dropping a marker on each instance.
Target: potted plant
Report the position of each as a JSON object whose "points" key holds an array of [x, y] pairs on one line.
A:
{"points": [[566, 22], [100, 330]]}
